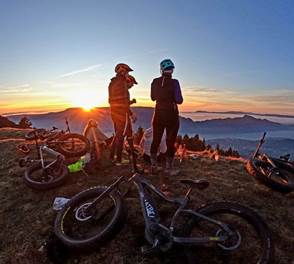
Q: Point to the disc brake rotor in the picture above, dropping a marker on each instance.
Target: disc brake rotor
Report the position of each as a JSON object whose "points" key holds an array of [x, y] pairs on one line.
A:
{"points": [[232, 242], [80, 213]]}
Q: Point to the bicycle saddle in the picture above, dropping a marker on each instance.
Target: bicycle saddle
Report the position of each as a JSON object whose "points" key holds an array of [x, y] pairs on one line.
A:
{"points": [[200, 184]]}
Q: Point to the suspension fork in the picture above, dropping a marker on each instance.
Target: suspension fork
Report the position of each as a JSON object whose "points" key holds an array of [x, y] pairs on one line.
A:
{"points": [[109, 189]]}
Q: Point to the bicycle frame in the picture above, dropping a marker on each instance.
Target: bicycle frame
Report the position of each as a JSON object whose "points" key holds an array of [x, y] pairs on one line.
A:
{"points": [[151, 216], [58, 157]]}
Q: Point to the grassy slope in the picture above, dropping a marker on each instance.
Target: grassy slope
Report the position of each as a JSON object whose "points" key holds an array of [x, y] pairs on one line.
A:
{"points": [[26, 216]]}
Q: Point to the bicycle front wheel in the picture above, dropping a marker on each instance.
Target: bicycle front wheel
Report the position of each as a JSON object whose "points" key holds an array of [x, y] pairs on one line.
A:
{"points": [[39, 178], [77, 230], [72, 145], [250, 242]]}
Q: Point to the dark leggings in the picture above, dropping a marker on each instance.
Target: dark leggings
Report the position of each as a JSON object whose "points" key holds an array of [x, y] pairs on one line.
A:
{"points": [[169, 120], [123, 128]]}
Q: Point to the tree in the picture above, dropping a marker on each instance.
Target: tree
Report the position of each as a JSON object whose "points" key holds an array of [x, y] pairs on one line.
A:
{"points": [[24, 123]]}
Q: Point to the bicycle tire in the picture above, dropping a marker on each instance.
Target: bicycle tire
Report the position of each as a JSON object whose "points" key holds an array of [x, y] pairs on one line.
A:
{"points": [[62, 140], [31, 182], [35, 134], [98, 238], [253, 167], [252, 218]]}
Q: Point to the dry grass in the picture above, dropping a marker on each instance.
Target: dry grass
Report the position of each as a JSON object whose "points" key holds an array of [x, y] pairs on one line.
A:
{"points": [[26, 216]]}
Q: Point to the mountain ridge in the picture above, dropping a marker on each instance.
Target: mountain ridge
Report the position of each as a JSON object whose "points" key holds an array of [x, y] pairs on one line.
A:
{"points": [[78, 119]]}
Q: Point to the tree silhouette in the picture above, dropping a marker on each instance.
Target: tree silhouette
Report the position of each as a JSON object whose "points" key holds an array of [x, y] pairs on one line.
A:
{"points": [[24, 123]]}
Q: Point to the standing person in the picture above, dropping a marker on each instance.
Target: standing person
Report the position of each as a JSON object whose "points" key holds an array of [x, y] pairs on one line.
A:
{"points": [[166, 91], [119, 100]]}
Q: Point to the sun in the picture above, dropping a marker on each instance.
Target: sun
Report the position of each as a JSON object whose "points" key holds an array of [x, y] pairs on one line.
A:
{"points": [[87, 99]]}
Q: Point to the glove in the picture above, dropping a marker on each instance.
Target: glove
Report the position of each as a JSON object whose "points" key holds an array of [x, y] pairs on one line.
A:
{"points": [[133, 101]]}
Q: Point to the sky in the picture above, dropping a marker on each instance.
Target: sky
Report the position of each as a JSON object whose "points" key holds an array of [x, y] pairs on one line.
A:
{"points": [[229, 55]]}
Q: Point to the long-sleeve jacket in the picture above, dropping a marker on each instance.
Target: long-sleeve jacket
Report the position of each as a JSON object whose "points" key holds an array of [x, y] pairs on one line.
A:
{"points": [[118, 94], [166, 92]]}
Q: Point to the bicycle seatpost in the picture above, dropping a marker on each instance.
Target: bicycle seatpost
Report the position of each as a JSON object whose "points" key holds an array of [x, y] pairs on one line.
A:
{"points": [[53, 153]]}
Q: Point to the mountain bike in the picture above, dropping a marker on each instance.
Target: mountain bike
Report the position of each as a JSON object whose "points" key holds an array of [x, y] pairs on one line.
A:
{"points": [[41, 174], [94, 216], [275, 173], [67, 143]]}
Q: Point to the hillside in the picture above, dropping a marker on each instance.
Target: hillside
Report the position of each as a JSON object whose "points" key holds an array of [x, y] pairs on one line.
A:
{"points": [[26, 216]]}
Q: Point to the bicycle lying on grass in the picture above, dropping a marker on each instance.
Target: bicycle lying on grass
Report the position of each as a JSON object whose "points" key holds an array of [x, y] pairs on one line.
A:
{"points": [[277, 174], [67, 143], [94, 216], [43, 172]]}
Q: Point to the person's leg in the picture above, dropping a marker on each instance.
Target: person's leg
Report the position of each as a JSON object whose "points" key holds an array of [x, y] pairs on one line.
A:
{"points": [[171, 135], [113, 141], [158, 129], [120, 122]]}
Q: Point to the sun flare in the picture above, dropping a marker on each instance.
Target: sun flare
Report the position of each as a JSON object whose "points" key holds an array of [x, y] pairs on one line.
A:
{"points": [[87, 99]]}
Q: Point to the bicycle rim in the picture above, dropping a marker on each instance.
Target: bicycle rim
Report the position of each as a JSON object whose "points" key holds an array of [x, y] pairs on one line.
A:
{"points": [[80, 230], [249, 243]]}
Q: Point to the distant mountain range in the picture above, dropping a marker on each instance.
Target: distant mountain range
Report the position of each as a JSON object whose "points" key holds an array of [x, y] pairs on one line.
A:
{"points": [[242, 113], [78, 119]]}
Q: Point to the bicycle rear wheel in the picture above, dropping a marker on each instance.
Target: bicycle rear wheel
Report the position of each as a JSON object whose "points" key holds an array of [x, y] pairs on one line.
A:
{"points": [[77, 230], [250, 242], [72, 145], [43, 179]]}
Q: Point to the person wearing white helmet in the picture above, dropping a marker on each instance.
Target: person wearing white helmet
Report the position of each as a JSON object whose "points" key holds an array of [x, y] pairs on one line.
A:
{"points": [[119, 100], [166, 91]]}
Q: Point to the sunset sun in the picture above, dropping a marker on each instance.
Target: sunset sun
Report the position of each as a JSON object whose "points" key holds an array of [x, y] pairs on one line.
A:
{"points": [[87, 99]]}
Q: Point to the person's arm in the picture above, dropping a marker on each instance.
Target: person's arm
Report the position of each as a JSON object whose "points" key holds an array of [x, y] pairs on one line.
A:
{"points": [[109, 92], [178, 93], [153, 91]]}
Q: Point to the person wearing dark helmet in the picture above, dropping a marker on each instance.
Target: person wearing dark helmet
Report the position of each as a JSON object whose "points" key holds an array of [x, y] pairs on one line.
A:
{"points": [[119, 100], [166, 91]]}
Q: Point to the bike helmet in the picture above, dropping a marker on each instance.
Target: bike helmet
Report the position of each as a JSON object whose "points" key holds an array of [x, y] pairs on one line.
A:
{"points": [[122, 67], [166, 64], [131, 80]]}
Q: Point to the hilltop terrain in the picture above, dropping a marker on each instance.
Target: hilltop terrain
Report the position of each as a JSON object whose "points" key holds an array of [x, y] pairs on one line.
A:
{"points": [[26, 216]]}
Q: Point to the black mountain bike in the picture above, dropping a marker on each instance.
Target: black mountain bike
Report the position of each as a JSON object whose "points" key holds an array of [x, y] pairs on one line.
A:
{"points": [[94, 216], [67, 143], [275, 173]]}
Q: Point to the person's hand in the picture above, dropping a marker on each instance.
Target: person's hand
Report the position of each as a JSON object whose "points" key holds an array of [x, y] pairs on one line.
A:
{"points": [[134, 118]]}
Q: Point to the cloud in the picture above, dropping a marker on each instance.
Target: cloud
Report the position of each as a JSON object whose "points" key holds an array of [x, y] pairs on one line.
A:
{"points": [[22, 88], [87, 69]]}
